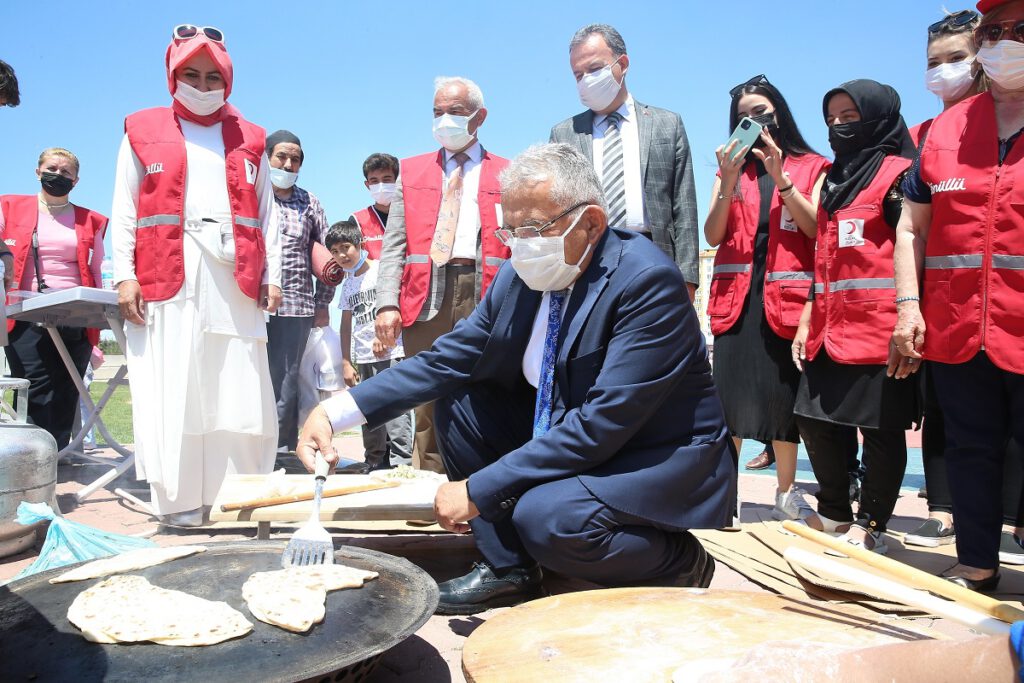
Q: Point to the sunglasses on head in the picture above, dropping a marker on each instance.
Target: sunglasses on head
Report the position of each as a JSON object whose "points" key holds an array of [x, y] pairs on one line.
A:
{"points": [[989, 34], [760, 79], [188, 31], [957, 21]]}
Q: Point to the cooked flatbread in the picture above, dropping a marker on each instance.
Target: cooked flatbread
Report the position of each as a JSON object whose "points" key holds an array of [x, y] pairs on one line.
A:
{"points": [[407, 474], [127, 562], [294, 598], [129, 609]]}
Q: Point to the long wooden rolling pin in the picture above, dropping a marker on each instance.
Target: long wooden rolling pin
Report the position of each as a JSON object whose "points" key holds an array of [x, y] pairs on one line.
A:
{"points": [[298, 497], [1003, 611]]}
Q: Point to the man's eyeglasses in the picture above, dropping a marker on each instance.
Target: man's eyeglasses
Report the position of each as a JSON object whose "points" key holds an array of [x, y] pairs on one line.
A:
{"points": [[759, 79], [989, 34], [506, 235], [188, 31], [957, 21]]}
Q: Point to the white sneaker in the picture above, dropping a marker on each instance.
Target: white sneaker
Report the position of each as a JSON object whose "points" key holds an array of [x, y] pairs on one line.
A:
{"points": [[791, 505]]}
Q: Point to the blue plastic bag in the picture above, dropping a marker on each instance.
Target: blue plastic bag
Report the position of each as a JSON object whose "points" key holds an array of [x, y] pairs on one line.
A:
{"points": [[68, 542]]}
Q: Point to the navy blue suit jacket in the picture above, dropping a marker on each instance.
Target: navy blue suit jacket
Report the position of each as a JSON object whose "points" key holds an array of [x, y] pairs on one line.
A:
{"points": [[636, 416]]}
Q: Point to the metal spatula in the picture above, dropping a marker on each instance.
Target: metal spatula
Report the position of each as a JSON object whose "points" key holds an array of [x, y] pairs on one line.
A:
{"points": [[311, 544]]}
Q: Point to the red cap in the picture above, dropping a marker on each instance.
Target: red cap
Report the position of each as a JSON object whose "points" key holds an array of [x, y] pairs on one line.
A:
{"points": [[180, 51], [986, 6]]}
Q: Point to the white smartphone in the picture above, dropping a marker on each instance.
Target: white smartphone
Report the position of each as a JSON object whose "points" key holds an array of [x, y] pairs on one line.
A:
{"points": [[746, 133]]}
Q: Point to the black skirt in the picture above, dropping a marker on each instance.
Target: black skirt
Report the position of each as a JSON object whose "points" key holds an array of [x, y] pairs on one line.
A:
{"points": [[753, 366], [857, 395]]}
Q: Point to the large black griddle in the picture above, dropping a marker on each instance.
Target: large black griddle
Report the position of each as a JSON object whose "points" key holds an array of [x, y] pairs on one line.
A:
{"points": [[38, 643]]}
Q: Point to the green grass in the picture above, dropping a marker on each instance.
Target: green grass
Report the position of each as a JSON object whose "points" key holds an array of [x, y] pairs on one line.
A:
{"points": [[117, 414]]}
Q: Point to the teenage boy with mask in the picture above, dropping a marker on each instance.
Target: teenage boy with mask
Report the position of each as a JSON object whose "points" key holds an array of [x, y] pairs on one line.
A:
{"points": [[640, 152], [301, 221], [440, 250], [380, 171]]}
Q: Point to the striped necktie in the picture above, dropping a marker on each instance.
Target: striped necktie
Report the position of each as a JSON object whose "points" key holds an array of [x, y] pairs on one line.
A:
{"points": [[546, 381], [612, 172]]}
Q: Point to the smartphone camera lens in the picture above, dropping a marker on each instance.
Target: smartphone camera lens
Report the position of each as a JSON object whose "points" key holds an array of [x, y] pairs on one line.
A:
{"points": [[745, 125]]}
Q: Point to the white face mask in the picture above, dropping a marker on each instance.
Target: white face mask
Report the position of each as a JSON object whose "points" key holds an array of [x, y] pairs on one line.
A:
{"points": [[452, 132], [540, 261], [383, 193], [950, 81], [199, 102], [1004, 63], [282, 179], [598, 89]]}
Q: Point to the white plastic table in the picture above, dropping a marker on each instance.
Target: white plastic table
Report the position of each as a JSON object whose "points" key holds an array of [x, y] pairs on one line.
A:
{"points": [[81, 307]]}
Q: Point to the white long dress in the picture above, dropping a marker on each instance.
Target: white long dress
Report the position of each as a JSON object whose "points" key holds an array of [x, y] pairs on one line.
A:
{"points": [[202, 401]]}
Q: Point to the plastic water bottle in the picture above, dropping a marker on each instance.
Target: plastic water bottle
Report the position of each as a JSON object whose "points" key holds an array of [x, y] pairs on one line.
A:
{"points": [[107, 274]]}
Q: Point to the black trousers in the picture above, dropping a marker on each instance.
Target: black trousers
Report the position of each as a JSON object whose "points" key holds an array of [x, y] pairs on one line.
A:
{"points": [[52, 395], [286, 341], [885, 460], [983, 408], [559, 524], [936, 477]]}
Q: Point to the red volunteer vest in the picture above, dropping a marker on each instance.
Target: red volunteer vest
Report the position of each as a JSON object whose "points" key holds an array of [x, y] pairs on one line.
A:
{"points": [[422, 180], [971, 297], [854, 310], [919, 131], [790, 261], [21, 214], [156, 139], [372, 230]]}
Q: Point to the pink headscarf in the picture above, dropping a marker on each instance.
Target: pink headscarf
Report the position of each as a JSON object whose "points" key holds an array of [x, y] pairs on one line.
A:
{"points": [[179, 52]]}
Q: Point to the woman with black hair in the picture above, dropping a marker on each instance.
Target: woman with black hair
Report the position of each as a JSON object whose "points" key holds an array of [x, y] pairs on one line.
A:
{"points": [[840, 346], [762, 219]]}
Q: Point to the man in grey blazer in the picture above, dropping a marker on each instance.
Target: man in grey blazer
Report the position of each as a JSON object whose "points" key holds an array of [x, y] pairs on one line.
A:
{"points": [[640, 152]]}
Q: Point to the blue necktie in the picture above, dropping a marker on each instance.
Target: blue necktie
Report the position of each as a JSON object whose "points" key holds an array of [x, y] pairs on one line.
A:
{"points": [[546, 381]]}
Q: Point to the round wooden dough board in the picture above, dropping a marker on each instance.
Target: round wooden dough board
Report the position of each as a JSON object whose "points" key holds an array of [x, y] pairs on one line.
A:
{"points": [[654, 634]]}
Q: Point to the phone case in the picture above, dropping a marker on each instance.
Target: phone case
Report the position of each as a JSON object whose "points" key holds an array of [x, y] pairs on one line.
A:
{"points": [[747, 131]]}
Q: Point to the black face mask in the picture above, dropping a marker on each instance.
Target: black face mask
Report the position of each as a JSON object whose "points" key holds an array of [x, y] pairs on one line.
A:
{"points": [[766, 121], [55, 184], [846, 138]]}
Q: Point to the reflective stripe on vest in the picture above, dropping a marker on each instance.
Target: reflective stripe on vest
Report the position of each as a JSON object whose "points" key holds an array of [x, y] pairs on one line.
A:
{"points": [[819, 288], [494, 261], [1008, 262], [731, 268], [862, 283], [159, 219], [955, 261], [416, 258], [247, 222], [790, 275]]}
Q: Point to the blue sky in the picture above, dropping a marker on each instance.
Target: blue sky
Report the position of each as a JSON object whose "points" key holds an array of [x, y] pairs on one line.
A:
{"points": [[351, 79]]}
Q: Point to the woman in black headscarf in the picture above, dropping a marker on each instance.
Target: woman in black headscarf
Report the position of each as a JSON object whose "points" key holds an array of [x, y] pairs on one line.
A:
{"points": [[840, 345]]}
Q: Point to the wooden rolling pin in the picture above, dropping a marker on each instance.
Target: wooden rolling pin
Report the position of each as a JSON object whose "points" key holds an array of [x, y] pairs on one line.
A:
{"points": [[1003, 611], [298, 497]]}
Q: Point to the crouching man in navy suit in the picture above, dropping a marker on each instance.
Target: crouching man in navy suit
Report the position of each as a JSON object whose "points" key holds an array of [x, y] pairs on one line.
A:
{"points": [[575, 411]]}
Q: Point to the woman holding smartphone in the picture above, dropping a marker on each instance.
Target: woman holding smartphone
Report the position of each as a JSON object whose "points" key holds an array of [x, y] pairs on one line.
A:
{"points": [[763, 221], [839, 346]]}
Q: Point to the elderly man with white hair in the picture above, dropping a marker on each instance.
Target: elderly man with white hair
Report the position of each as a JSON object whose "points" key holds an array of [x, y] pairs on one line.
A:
{"points": [[574, 408], [440, 251]]}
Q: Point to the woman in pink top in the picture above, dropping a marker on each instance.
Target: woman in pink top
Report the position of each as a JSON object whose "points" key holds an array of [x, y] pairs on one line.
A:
{"points": [[55, 245]]}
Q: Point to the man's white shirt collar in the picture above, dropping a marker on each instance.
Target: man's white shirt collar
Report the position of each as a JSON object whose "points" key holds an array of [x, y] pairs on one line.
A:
{"points": [[627, 111], [475, 153]]}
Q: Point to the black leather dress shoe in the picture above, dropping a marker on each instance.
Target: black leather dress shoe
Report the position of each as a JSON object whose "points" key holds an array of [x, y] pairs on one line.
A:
{"points": [[484, 587], [700, 575]]}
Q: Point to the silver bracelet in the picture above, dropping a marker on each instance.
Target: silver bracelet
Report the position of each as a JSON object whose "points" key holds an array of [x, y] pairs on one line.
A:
{"points": [[901, 299]]}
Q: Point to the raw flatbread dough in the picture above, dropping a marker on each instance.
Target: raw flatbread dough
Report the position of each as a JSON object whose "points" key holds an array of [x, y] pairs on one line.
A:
{"points": [[294, 598], [128, 561], [129, 609]]}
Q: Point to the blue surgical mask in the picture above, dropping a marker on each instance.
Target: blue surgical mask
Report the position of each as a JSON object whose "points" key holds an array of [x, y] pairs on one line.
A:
{"points": [[357, 266]]}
